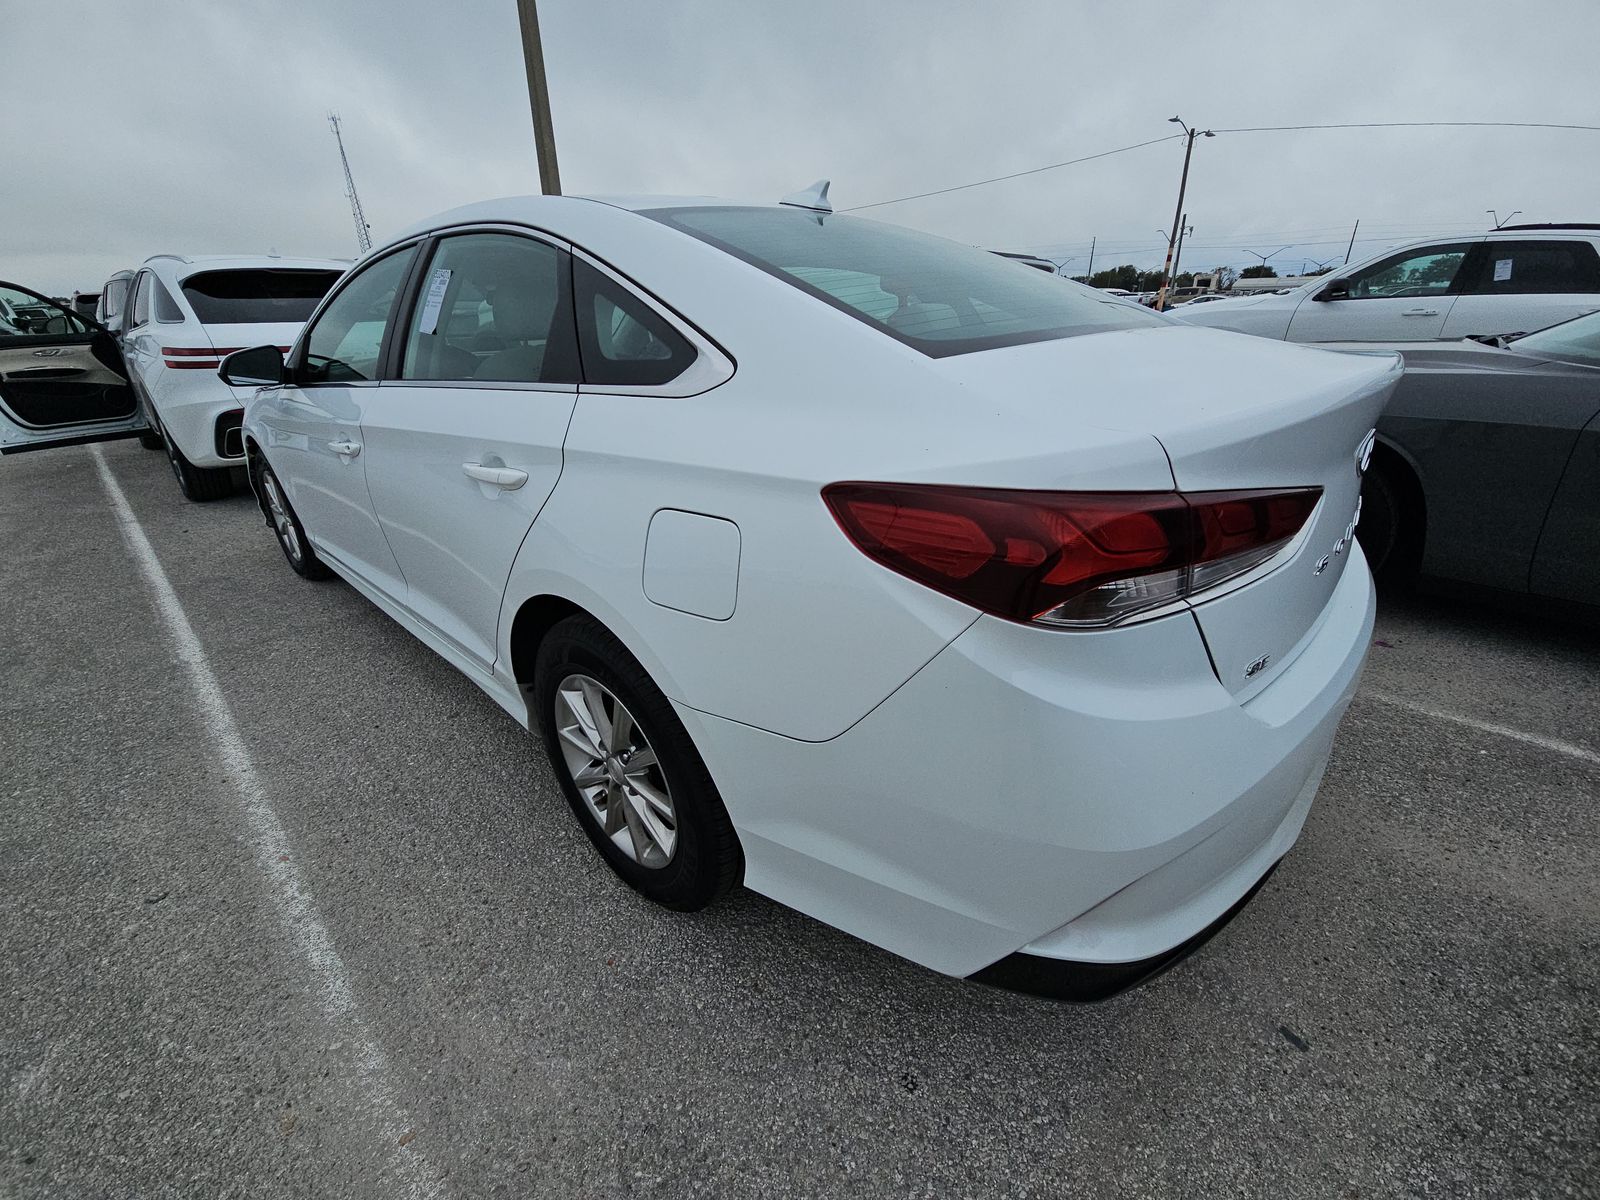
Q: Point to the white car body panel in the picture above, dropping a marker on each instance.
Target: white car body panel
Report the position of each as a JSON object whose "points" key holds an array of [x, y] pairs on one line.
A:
{"points": [[188, 400], [1298, 316], [952, 786]]}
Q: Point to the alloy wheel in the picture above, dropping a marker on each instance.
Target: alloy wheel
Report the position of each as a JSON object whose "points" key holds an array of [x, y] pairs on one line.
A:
{"points": [[616, 771], [282, 522]]}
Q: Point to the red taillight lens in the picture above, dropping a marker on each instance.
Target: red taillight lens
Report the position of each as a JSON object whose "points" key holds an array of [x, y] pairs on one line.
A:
{"points": [[1067, 558]]}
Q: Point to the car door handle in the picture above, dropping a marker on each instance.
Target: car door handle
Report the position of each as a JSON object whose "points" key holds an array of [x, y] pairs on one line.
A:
{"points": [[501, 477], [345, 448], [1420, 312]]}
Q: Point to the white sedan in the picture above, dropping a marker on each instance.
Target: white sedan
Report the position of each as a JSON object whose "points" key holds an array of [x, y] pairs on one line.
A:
{"points": [[989, 619]]}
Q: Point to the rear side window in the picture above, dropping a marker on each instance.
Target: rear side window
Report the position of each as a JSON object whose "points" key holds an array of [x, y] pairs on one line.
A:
{"points": [[141, 299], [1520, 268], [493, 307], [347, 340], [239, 297], [624, 341], [167, 310], [935, 295]]}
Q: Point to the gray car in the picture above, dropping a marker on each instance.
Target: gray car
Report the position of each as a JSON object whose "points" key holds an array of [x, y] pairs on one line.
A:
{"points": [[1487, 470]]}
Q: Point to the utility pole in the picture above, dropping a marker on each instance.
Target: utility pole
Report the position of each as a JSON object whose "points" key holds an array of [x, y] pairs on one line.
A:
{"points": [[1177, 254], [363, 232], [1177, 215], [544, 134], [1352, 244], [1089, 274]]}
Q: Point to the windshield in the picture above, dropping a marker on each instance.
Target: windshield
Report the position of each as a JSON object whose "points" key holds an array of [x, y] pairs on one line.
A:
{"points": [[937, 296], [242, 297], [1578, 338]]}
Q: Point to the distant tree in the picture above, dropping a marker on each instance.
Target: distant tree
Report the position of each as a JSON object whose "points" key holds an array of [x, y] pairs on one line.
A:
{"points": [[1226, 277], [1320, 271], [1184, 280], [1125, 277], [1259, 271]]}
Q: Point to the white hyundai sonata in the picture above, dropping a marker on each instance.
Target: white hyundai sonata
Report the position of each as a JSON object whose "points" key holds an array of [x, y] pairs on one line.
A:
{"points": [[999, 623]]}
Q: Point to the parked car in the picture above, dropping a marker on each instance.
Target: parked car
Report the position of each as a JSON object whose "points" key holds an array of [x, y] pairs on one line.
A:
{"points": [[1203, 298], [184, 315], [1508, 281], [1487, 470], [780, 529], [84, 303], [61, 375], [112, 305]]}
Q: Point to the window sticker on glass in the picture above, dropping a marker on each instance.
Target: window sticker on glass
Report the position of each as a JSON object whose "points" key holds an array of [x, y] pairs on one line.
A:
{"points": [[435, 301], [1502, 269]]}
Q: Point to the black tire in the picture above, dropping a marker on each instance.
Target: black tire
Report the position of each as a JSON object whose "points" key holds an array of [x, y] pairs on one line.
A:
{"points": [[286, 528], [706, 860], [151, 440], [1385, 531], [200, 484]]}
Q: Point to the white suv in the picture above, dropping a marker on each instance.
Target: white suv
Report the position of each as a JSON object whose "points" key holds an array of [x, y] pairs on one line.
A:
{"points": [[1511, 280], [184, 315]]}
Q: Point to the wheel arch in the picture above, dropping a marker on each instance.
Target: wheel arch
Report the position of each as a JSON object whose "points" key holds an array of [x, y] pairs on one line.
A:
{"points": [[1398, 466]]}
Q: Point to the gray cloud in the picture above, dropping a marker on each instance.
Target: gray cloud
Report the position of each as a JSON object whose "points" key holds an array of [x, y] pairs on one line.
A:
{"points": [[200, 128]]}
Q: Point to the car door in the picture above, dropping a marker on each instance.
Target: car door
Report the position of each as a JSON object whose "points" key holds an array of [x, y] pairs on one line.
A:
{"points": [[1406, 297], [62, 379], [1490, 432], [311, 425], [1512, 287], [463, 444]]}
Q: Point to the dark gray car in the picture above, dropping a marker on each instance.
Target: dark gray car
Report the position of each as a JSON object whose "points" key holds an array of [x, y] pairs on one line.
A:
{"points": [[1487, 470]]}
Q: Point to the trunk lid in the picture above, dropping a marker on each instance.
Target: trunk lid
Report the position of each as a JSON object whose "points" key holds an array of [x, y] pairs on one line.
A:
{"points": [[1232, 412]]}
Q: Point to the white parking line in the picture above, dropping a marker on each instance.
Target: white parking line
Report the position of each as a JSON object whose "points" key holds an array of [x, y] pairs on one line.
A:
{"points": [[275, 857], [1580, 753]]}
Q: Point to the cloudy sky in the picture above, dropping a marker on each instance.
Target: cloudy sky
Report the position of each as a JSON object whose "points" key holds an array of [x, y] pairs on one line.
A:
{"points": [[200, 127]]}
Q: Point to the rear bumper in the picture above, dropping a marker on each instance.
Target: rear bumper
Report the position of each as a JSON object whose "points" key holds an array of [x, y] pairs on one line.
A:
{"points": [[205, 425], [1087, 798]]}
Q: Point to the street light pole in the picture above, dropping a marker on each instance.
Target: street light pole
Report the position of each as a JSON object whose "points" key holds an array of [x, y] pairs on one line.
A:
{"points": [[1177, 215], [544, 134], [1089, 274], [1177, 254]]}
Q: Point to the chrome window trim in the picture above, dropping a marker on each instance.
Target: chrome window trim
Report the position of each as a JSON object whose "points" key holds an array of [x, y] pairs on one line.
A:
{"points": [[492, 385], [711, 366]]}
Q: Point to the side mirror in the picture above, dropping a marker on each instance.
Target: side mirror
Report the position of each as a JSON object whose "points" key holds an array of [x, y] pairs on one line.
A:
{"points": [[1337, 289], [259, 366]]}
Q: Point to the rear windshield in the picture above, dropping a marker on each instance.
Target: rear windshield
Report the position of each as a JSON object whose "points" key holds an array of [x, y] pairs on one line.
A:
{"points": [[1577, 339], [243, 297], [938, 296]]}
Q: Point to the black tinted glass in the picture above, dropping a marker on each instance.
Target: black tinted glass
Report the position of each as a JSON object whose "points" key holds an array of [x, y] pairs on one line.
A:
{"points": [[1521, 268], [624, 342], [939, 296], [245, 296]]}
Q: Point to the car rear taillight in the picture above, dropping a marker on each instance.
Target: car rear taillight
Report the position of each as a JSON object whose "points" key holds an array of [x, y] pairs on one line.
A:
{"points": [[192, 358], [1067, 558]]}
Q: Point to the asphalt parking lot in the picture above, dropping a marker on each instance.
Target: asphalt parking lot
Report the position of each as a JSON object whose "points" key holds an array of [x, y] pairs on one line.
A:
{"points": [[387, 963]]}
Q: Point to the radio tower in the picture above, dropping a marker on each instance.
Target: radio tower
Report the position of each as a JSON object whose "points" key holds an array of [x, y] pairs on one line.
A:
{"points": [[363, 233]]}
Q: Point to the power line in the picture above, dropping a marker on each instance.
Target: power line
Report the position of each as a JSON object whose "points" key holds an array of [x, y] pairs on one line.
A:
{"points": [[1411, 125], [1016, 175]]}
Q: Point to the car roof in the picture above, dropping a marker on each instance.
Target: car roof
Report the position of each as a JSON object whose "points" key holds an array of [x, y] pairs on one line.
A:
{"points": [[181, 266]]}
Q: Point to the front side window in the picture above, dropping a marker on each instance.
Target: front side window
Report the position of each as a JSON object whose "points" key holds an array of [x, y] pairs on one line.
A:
{"points": [[493, 307], [257, 295], [1430, 271], [347, 340], [1520, 268], [141, 300], [24, 315], [623, 341], [937, 296]]}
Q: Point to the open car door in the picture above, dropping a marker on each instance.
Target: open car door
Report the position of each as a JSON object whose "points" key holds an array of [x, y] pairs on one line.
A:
{"points": [[62, 380]]}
